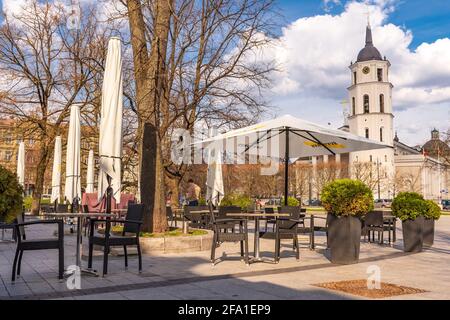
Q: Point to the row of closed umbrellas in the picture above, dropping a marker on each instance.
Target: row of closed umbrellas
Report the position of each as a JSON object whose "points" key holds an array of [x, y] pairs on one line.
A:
{"points": [[110, 140]]}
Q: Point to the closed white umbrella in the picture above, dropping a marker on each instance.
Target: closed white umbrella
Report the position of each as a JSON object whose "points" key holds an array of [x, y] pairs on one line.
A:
{"points": [[288, 137], [90, 173], [56, 172], [214, 179], [73, 169], [110, 142], [21, 164]]}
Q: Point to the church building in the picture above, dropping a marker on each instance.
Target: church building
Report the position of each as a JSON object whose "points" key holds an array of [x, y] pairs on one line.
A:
{"points": [[388, 171]]}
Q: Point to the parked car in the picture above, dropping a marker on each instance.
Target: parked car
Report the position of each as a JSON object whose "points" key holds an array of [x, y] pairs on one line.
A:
{"points": [[315, 203], [383, 203], [445, 204]]}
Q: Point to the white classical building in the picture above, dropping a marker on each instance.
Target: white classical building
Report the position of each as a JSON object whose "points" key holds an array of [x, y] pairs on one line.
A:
{"points": [[391, 170]]}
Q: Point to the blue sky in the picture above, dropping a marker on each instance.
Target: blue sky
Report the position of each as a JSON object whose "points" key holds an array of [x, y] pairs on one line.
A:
{"points": [[427, 19], [318, 39]]}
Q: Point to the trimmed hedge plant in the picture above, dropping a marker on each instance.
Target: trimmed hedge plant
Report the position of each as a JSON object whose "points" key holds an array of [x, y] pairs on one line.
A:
{"points": [[433, 211], [11, 198], [237, 200], [292, 202], [409, 206], [347, 197]]}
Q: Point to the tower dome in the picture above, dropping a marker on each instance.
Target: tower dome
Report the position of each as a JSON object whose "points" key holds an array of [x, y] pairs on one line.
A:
{"points": [[369, 52]]}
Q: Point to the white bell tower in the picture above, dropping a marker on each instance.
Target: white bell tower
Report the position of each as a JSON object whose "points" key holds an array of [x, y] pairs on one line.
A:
{"points": [[370, 96]]}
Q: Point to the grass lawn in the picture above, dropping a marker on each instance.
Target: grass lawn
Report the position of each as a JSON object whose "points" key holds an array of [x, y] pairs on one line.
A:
{"points": [[172, 232]]}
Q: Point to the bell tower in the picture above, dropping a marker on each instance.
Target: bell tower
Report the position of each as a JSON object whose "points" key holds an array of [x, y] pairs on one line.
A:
{"points": [[370, 116]]}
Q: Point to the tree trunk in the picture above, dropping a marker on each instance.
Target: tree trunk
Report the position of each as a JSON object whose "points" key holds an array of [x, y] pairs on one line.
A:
{"points": [[151, 181], [150, 74], [40, 177]]}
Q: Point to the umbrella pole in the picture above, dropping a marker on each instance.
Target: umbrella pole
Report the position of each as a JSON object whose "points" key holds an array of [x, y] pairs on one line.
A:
{"points": [[109, 192], [286, 169]]}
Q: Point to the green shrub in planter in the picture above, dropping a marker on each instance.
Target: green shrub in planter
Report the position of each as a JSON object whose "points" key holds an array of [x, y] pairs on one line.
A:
{"points": [[346, 197], [346, 201], [409, 206], [292, 202], [239, 200], [11, 199], [432, 211]]}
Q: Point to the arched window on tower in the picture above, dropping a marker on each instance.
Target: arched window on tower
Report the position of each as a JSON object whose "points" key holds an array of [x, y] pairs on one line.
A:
{"points": [[382, 103], [367, 133], [353, 106], [366, 103], [381, 134]]}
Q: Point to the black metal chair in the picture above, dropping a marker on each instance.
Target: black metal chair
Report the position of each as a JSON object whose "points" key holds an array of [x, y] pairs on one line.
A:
{"points": [[220, 227], [170, 216], [196, 220], [373, 222], [130, 235], [270, 220], [314, 227], [286, 228], [39, 244], [390, 225]]}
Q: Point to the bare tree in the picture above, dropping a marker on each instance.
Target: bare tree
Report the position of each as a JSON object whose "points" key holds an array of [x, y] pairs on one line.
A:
{"points": [[45, 68], [193, 61]]}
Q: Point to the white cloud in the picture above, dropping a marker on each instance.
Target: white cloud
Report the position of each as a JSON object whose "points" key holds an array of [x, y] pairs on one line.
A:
{"points": [[314, 54]]}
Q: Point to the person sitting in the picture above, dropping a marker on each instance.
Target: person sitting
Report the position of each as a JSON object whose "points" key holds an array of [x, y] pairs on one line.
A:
{"points": [[193, 193]]}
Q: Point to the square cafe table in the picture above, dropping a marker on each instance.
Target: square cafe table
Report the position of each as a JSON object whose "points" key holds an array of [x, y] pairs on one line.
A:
{"points": [[80, 219], [257, 215]]}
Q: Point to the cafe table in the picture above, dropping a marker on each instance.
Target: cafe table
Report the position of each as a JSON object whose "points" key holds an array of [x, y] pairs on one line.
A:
{"points": [[80, 220], [257, 216]]}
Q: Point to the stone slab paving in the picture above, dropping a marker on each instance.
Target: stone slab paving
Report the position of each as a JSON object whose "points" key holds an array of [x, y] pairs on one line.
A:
{"points": [[191, 276]]}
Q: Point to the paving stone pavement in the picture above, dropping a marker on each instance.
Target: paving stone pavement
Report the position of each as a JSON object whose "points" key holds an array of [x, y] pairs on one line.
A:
{"points": [[191, 276]]}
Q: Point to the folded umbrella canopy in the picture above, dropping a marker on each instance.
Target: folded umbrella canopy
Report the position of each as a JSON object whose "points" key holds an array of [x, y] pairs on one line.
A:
{"points": [[72, 188], [90, 173], [110, 142], [214, 179], [56, 172], [288, 137], [21, 164]]}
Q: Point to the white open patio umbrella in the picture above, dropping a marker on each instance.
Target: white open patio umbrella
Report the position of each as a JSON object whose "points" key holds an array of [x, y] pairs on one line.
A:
{"points": [[72, 188], [56, 172], [90, 173], [110, 142], [214, 179], [21, 164], [288, 137]]}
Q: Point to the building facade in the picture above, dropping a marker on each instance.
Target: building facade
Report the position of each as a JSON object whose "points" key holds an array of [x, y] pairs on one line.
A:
{"points": [[424, 169]]}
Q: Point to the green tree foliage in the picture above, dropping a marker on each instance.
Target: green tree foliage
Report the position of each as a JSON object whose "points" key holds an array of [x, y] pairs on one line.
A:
{"points": [[11, 199], [346, 197], [292, 202]]}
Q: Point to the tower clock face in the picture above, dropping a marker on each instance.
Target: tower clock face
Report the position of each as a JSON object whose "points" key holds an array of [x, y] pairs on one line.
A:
{"points": [[366, 70]]}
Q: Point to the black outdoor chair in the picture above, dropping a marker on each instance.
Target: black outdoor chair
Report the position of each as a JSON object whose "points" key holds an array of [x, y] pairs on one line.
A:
{"points": [[270, 220], [373, 222], [220, 227], [316, 228], [170, 216], [286, 228], [129, 237], [196, 220], [24, 244], [390, 226]]}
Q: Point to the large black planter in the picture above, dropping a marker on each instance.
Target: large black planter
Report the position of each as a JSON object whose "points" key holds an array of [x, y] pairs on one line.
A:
{"points": [[428, 232], [344, 236], [413, 235]]}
